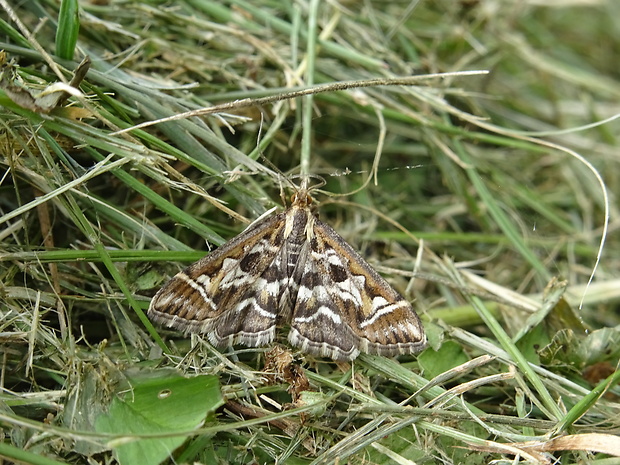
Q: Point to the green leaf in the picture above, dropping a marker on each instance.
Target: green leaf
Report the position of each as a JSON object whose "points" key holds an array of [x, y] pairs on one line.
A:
{"points": [[448, 356], [170, 405]]}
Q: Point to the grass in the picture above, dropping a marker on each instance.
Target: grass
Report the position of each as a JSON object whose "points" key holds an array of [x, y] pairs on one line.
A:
{"points": [[489, 209]]}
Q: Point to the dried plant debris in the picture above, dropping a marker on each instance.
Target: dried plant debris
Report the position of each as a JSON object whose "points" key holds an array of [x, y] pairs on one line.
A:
{"points": [[27, 96]]}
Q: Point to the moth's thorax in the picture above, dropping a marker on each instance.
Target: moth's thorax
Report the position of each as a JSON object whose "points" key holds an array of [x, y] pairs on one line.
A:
{"points": [[299, 224], [298, 231]]}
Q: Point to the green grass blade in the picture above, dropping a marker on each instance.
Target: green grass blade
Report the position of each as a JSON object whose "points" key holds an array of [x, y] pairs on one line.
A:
{"points": [[68, 29]]}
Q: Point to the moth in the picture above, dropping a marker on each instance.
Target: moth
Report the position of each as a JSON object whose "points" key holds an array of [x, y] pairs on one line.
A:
{"points": [[291, 269]]}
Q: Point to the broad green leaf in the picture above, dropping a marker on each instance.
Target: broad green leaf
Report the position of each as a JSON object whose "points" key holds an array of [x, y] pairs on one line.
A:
{"points": [[163, 406], [448, 356]]}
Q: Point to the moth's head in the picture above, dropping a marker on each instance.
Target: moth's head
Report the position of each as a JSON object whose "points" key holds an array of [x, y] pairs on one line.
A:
{"points": [[302, 198]]}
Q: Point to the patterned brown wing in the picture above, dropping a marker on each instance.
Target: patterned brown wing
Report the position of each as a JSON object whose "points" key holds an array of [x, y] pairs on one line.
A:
{"points": [[344, 307], [231, 294]]}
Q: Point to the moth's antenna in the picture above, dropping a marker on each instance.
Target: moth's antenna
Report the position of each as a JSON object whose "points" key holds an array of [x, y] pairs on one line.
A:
{"points": [[304, 185]]}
